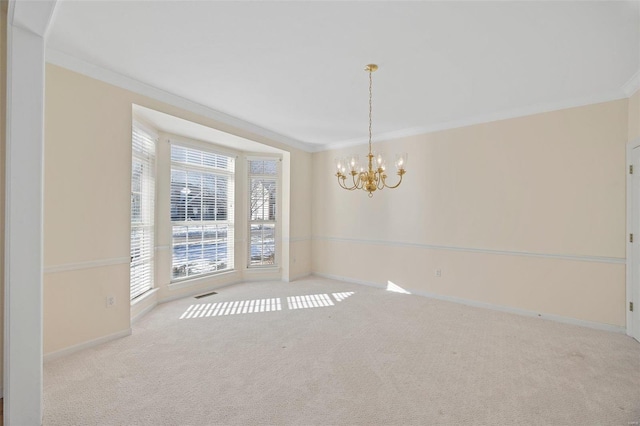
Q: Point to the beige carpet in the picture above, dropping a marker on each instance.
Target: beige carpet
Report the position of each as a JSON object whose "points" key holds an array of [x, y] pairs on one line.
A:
{"points": [[371, 358]]}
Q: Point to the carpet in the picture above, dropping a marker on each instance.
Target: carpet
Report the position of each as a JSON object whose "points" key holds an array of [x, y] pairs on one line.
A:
{"points": [[324, 352]]}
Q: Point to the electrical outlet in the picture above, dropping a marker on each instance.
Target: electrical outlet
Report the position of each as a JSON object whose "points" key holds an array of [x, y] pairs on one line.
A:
{"points": [[111, 301], [438, 272]]}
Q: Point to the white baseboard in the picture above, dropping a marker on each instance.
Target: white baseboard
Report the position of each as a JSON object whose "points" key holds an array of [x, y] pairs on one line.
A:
{"points": [[151, 294], [299, 276], [478, 304], [198, 291], [91, 343], [143, 312]]}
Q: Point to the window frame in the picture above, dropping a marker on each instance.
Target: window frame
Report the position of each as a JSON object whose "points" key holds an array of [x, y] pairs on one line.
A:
{"points": [[231, 202], [278, 214]]}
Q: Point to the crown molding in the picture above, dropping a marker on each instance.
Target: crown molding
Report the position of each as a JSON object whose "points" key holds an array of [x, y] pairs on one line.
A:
{"points": [[33, 16], [632, 86], [80, 66], [72, 63], [485, 118]]}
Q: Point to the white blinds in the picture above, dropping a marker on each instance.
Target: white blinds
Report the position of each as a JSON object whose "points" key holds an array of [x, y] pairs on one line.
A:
{"points": [[202, 200], [143, 141]]}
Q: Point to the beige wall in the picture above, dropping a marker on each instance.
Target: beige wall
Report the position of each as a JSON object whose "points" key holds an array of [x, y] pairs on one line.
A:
{"points": [[301, 214], [478, 202], [634, 116], [3, 132], [527, 213], [86, 225]]}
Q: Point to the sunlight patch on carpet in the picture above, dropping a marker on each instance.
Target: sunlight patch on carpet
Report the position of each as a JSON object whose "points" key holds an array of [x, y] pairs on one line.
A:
{"points": [[309, 301], [232, 308], [396, 288], [341, 296], [218, 309]]}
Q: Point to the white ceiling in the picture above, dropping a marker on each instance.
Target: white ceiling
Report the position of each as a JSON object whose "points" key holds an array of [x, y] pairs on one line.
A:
{"points": [[296, 67]]}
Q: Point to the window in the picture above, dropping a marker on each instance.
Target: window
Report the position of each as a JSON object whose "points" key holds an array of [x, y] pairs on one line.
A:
{"points": [[202, 199], [263, 184], [143, 141]]}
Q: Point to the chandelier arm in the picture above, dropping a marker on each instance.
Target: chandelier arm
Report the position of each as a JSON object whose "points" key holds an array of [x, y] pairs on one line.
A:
{"points": [[341, 179], [355, 182], [381, 180], [397, 184]]}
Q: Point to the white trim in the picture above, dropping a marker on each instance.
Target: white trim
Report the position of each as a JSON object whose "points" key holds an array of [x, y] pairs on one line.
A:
{"points": [[631, 217], [262, 270], [248, 156], [86, 345], [64, 60], [299, 276], [36, 20], [297, 239], [143, 298], [86, 265], [632, 86], [24, 199], [143, 312], [491, 306], [579, 258], [612, 95], [262, 280]]}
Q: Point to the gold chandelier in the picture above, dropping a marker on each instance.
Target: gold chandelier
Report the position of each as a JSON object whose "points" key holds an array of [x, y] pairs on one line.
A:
{"points": [[374, 176]]}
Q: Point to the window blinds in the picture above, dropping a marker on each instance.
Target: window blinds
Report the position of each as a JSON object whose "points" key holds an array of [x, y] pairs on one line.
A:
{"points": [[202, 199], [143, 141]]}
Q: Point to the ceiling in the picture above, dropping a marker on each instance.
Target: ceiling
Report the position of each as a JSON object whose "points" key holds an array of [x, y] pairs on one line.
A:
{"points": [[295, 68]]}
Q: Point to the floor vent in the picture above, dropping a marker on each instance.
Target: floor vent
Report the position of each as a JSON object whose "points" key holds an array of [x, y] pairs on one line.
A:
{"points": [[205, 295]]}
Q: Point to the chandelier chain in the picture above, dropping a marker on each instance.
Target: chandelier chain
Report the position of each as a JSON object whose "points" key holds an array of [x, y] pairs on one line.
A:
{"points": [[370, 107]]}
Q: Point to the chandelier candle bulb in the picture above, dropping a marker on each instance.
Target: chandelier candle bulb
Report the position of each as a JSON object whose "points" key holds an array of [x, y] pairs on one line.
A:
{"points": [[370, 176], [401, 160], [353, 163], [379, 159]]}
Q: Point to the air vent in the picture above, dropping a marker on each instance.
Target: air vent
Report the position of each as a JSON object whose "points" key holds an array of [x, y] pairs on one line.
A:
{"points": [[205, 295]]}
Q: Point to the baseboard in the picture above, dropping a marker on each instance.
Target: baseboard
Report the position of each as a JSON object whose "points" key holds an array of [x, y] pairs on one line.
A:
{"points": [[151, 294], [299, 276], [478, 304], [143, 312], [86, 345], [348, 280], [198, 291]]}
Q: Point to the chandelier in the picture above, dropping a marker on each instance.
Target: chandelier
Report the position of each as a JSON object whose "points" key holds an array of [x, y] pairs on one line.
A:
{"points": [[372, 175]]}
